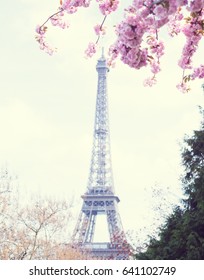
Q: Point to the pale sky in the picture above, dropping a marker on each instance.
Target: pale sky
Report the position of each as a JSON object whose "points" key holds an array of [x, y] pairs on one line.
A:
{"points": [[47, 109]]}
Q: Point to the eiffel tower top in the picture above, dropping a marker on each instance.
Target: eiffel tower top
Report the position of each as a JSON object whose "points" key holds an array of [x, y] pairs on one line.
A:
{"points": [[102, 54], [102, 62]]}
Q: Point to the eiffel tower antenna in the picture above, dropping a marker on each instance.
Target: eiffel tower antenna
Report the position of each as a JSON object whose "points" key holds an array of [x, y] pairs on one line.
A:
{"points": [[102, 56], [100, 198]]}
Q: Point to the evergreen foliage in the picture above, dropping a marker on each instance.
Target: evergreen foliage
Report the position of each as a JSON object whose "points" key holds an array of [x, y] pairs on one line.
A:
{"points": [[182, 236]]}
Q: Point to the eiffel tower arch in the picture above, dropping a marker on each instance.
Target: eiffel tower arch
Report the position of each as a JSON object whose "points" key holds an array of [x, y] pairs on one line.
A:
{"points": [[100, 198]]}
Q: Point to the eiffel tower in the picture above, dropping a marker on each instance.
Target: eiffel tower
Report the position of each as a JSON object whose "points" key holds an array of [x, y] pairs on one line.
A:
{"points": [[100, 198]]}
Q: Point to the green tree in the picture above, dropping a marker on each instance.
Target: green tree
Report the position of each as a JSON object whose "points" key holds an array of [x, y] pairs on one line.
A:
{"points": [[182, 236]]}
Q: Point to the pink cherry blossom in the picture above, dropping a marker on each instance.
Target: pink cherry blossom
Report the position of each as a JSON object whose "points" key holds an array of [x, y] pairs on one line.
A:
{"points": [[108, 6], [160, 11], [40, 38], [91, 50], [57, 20], [99, 30], [183, 87], [149, 82], [174, 25], [198, 72], [195, 6], [155, 67], [138, 43]]}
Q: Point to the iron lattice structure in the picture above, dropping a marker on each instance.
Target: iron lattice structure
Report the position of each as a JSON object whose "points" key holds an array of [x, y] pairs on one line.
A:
{"points": [[100, 198]]}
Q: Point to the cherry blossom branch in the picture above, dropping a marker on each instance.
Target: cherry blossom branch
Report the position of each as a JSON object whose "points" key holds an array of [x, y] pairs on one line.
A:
{"points": [[50, 17], [91, 49], [193, 31], [101, 27], [142, 20]]}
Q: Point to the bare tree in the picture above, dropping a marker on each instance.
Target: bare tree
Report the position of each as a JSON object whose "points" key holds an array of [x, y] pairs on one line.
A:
{"points": [[37, 230], [44, 224], [161, 203], [8, 207]]}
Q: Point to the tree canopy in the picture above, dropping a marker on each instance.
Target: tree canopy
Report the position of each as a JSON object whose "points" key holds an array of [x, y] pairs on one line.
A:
{"points": [[182, 236], [139, 40]]}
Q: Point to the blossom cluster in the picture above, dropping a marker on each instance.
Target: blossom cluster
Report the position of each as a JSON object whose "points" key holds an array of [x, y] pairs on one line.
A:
{"points": [[130, 43], [174, 24], [57, 20], [91, 50], [70, 6], [40, 37], [190, 30], [108, 6], [138, 41], [99, 30], [198, 72]]}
